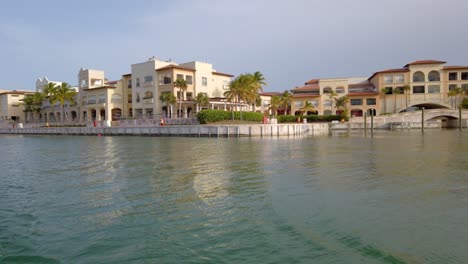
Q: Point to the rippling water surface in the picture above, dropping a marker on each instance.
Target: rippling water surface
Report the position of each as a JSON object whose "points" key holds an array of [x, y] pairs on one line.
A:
{"points": [[398, 197]]}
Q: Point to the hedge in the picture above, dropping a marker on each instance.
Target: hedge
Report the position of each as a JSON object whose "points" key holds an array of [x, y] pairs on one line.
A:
{"points": [[464, 103], [211, 116], [310, 118]]}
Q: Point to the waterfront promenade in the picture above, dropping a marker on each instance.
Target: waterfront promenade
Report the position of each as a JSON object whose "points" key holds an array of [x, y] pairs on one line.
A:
{"points": [[252, 130]]}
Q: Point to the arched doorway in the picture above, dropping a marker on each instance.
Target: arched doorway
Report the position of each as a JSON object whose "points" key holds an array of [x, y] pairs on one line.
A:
{"points": [[93, 114], [73, 115], [371, 112], [102, 114]]}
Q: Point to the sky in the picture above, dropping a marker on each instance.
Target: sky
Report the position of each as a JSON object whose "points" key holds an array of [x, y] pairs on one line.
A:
{"points": [[289, 42]]}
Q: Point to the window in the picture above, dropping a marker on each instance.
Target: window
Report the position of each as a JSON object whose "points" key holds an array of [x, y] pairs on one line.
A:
{"points": [[399, 90], [204, 81], [129, 84], [340, 90], [400, 78], [167, 80], [371, 101], [434, 76], [418, 77], [327, 103], [453, 76], [96, 82], [189, 79], [314, 103], [298, 104], [356, 101], [14, 95], [266, 103], [179, 76], [327, 90], [148, 79], [464, 76], [433, 89], [137, 82], [148, 95], [452, 87], [388, 78], [138, 98], [189, 96], [418, 89], [388, 90]]}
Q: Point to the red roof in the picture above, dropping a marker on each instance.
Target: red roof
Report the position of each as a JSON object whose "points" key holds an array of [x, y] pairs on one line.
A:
{"points": [[455, 67], [224, 74], [363, 85], [389, 71], [313, 81], [303, 95], [421, 62], [271, 93], [363, 94], [307, 88], [174, 67]]}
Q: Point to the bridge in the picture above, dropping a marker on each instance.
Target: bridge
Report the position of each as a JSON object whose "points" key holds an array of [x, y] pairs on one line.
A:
{"points": [[443, 117]]}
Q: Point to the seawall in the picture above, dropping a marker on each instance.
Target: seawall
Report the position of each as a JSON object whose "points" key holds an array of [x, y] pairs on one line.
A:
{"points": [[254, 130]]}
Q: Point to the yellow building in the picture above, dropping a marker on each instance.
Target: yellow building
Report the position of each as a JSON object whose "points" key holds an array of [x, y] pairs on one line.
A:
{"points": [[11, 107]]}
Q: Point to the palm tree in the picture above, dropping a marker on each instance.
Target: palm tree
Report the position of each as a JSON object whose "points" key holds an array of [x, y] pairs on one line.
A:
{"points": [[342, 104], [452, 94], [396, 91], [286, 99], [202, 100], [406, 89], [308, 107], [182, 85], [458, 92], [275, 104], [168, 99], [63, 93], [49, 90], [233, 94], [384, 91], [259, 81], [332, 95], [28, 102]]}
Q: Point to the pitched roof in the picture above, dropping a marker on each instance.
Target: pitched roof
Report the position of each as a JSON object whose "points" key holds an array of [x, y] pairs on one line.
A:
{"points": [[313, 81], [270, 93], [307, 88], [127, 74], [304, 95], [389, 71], [224, 74], [421, 62], [172, 66]]}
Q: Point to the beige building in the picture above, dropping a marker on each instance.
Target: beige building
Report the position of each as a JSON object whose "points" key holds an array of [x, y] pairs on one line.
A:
{"points": [[423, 83], [149, 80], [11, 106]]}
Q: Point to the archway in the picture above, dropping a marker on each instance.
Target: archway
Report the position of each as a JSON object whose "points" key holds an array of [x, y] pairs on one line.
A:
{"points": [[371, 112], [116, 114], [418, 76], [102, 114], [73, 115], [434, 76]]}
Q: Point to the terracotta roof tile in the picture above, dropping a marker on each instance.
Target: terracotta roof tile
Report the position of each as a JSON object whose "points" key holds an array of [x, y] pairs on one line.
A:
{"points": [[455, 67], [224, 74], [174, 67], [421, 62], [389, 71], [307, 88], [313, 81]]}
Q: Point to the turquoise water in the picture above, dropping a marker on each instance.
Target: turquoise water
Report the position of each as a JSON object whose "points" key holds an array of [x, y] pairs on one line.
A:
{"points": [[398, 197]]}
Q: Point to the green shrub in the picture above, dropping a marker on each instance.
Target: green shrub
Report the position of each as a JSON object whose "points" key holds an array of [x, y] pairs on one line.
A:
{"points": [[211, 116], [310, 118]]}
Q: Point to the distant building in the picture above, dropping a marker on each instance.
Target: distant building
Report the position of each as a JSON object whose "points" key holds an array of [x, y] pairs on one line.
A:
{"points": [[11, 105]]}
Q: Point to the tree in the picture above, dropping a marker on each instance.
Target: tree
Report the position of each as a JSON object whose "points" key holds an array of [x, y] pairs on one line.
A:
{"points": [[396, 92], [384, 91], [342, 104], [454, 94], [259, 81], [286, 99], [48, 91], [308, 107], [332, 95], [406, 90], [168, 99], [458, 94], [275, 104], [182, 85], [202, 100], [63, 93], [233, 94]]}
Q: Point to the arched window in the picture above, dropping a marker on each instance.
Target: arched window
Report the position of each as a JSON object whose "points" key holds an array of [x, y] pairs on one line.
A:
{"points": [[418, 77], [434, 76]]}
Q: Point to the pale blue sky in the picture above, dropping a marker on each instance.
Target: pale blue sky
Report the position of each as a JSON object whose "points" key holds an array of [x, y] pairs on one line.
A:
{"points": [[290, 42]]}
